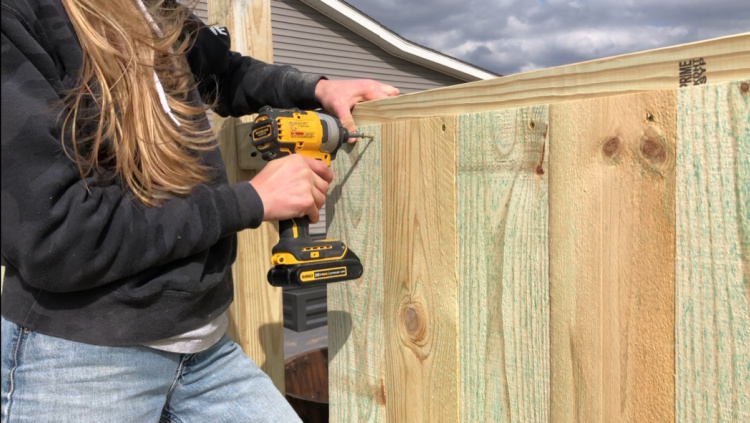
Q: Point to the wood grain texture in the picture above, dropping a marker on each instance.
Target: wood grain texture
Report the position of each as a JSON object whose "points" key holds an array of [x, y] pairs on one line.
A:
{"points": [[420, 286], [256, 316], [249, 25], [612, 258], [502, 214], [726, 59], [395, 331], [712, 254], [356, 369]]}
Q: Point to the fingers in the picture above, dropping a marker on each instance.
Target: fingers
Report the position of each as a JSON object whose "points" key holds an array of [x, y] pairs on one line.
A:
{"points": [[318, 190], [390, 91], [380, 91], [339, 97], [313, 214], [347, 121], [320, 169], [293, 186], [320, 185]]}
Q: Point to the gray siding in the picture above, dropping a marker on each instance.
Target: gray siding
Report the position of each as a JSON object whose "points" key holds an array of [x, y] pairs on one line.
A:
{"points": [[314, 43], [200, 8]]}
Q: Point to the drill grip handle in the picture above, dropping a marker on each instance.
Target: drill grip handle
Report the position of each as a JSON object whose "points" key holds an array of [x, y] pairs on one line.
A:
{"points": [[298, 227]]}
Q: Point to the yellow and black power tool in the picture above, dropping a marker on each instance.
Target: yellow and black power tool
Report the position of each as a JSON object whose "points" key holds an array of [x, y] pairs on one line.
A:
{"points": [[299, 260]]}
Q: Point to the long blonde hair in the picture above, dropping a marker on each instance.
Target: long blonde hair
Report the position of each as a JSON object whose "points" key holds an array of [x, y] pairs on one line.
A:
{"points": [[153, 153]]}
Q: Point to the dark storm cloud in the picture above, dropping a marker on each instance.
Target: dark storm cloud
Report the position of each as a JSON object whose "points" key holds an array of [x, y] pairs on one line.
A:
{"points": [[510, 36]]}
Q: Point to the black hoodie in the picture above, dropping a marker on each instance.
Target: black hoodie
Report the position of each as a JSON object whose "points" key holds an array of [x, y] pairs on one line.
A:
{"points": [[95, 265]]}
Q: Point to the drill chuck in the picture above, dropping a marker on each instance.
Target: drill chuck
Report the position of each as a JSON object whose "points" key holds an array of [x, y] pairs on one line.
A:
{"points": [[334, 135]]}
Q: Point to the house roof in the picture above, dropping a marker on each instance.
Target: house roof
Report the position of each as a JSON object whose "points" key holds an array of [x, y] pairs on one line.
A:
{"points": [[364, 26]]}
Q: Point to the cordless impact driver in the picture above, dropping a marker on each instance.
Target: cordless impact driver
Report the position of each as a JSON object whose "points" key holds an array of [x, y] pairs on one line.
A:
{"points": [[299, 260]]}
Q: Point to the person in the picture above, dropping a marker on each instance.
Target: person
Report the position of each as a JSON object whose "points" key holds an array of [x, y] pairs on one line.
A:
{"points": [[118, 223]]}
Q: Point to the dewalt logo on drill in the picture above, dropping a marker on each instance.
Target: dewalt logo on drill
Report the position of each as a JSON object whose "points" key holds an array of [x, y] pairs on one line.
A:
{"points": [[314, 275], [262, 132]]}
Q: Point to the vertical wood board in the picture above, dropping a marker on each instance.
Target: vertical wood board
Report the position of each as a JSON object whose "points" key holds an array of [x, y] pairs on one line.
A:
{"points": [[612, 258], [356, 370], [503, 265], [256, 316], [394, 332], [712, 254], [419, 263]]}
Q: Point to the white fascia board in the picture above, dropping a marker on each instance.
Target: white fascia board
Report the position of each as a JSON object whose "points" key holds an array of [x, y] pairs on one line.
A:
{"points": [[366, 27]]}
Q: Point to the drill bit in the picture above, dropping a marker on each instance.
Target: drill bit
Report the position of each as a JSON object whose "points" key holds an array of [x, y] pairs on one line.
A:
{"points": [[358, 135]]}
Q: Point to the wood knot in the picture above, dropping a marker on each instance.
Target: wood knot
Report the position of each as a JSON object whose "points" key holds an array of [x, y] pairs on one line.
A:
{"points": [[744, 87], [653, 150], [414, 322], [411, 321], [611, 147], [539, 170]]}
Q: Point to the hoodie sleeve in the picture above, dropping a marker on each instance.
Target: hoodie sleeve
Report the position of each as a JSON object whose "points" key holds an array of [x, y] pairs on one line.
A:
{"points": [[240, 85], [62, 236]]}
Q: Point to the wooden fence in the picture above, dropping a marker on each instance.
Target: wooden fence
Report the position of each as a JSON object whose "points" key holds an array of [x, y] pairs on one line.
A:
{"points": [[567, 245]]}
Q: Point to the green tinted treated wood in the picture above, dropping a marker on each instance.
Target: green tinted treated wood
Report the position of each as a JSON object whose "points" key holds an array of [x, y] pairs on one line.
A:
{"points": [[712, 254], [502, 214], [355, 308], [396, 329]]}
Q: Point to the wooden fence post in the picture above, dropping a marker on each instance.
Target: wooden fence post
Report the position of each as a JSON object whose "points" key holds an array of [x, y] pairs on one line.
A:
{"points": [[256, 319]]}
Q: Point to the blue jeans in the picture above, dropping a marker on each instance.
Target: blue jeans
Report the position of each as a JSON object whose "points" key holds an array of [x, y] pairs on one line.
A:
{"points": [[48, 379]]}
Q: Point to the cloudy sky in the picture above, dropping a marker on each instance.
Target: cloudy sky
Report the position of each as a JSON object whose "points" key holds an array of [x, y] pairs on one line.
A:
{"points": [[511, 36]]}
